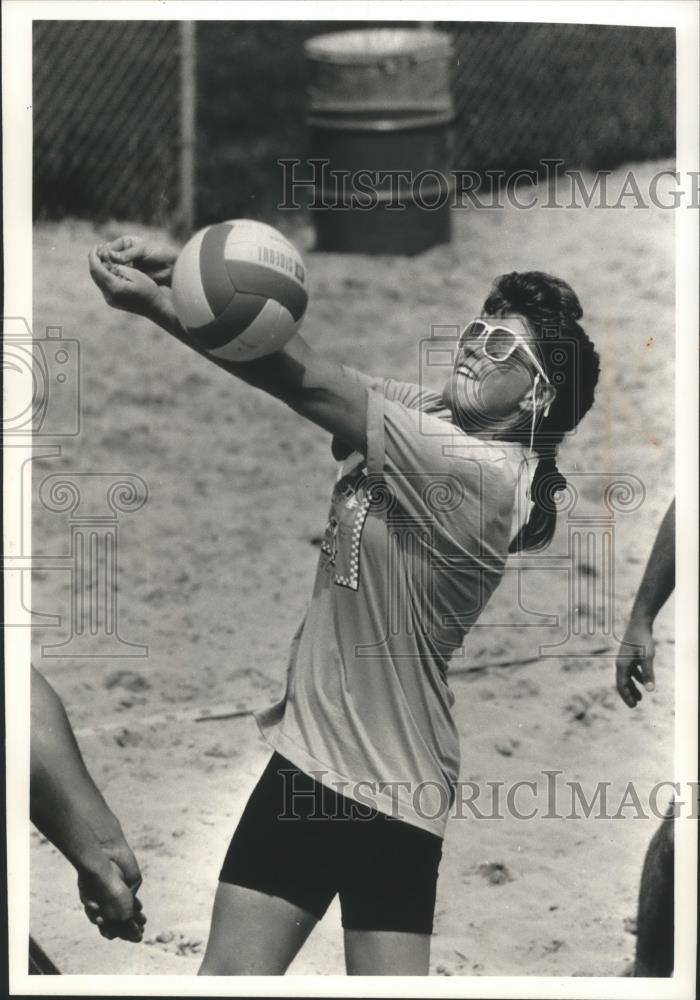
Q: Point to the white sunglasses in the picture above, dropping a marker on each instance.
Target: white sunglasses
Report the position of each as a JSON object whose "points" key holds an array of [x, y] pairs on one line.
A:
{"points": [[498, 342]]}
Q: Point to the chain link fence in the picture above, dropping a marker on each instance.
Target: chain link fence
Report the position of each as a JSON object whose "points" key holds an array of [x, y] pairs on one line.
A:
{"points": [[106, 102], [593, 96], [109, 128]]}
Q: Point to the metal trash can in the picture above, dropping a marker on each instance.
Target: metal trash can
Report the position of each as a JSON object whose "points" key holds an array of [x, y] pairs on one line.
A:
{"points": [[379, 113]]}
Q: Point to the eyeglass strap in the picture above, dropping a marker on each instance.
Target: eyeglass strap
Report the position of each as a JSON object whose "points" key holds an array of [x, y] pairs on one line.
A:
{"points": [[534, 409]]}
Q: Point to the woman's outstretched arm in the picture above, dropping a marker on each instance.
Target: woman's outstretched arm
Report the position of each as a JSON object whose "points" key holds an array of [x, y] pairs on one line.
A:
{"points": [[325, 392]]}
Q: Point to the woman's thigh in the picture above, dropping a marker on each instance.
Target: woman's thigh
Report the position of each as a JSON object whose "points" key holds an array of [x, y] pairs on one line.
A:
{"points": [[386, 953], [387, 900], [253, 934]]}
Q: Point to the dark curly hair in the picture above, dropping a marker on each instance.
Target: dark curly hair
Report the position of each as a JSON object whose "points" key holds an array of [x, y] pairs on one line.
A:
{"points": [[572, 364]]}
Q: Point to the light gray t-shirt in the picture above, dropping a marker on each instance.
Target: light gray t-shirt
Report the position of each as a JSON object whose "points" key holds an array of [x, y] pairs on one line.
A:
{"points": [[416, 542]]}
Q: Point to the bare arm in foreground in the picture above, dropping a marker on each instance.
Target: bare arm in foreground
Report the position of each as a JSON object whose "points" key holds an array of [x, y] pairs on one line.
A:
{"points": [[635, 658], [68, 808]]}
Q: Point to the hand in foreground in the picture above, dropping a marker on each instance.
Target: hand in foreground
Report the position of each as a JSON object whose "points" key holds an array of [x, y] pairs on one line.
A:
{"points": [[155, 261], [108, 894], [125, 287], [635, 662]]}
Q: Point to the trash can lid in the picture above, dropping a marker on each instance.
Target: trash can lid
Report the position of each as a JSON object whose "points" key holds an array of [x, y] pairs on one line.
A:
{"points": [[372, 44]]}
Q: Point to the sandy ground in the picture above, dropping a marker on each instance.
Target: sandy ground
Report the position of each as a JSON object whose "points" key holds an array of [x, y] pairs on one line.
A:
{"points": [[216, 568]]}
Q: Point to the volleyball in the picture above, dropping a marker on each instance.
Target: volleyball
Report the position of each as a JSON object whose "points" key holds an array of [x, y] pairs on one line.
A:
{"points": [[239, 289]]}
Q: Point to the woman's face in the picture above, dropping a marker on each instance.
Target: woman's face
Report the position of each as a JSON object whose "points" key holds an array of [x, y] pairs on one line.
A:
{"points": [[484, 394]]}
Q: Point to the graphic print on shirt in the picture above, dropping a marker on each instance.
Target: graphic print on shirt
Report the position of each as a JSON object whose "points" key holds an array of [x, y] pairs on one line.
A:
{"points": [[343, 535]]}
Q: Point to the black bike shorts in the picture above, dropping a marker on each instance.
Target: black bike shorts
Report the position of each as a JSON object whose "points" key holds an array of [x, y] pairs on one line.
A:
{"points": [[303, 842]]}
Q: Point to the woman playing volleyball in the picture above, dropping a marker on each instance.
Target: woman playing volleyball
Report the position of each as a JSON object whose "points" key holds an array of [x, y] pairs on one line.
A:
{"points": [[355, 797]]}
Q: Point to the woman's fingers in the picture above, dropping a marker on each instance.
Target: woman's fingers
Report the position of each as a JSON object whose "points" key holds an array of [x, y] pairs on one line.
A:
{"points": [[124, 249], [105, 276], [130, 929], [134, 253], [626, 671], [123, 243], [118, 270], [627, 695], [99, 269], [127, 930]]}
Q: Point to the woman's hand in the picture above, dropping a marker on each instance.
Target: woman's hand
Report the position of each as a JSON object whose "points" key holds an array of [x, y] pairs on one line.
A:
{"points": [[155, 261], [125, 287], [635, 662], [108, 892]]}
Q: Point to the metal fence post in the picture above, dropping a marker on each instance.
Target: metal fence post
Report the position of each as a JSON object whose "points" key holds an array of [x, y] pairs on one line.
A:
{"points": [[188, 59]]}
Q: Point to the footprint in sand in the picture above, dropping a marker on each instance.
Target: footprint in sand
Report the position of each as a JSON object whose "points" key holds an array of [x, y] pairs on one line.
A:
{"points": [[177, 943], [129, 680], [552, 947], [127, 738], [590, 706], [495, 872], [507, 746]]}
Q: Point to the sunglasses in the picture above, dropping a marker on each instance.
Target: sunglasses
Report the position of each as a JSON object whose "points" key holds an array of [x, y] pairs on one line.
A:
{"points": [[498, 342]]}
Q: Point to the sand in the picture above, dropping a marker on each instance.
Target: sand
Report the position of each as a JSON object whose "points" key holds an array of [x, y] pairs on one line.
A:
{"points": [[216, 568]]}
